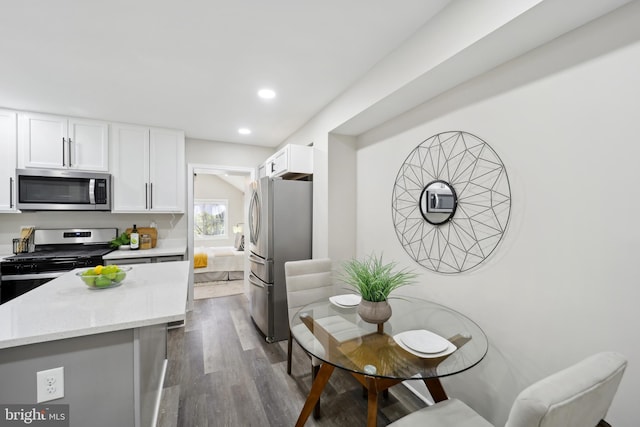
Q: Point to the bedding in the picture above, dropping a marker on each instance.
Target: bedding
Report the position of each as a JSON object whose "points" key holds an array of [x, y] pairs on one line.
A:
{"points": [[220, 263], [200, 260]]}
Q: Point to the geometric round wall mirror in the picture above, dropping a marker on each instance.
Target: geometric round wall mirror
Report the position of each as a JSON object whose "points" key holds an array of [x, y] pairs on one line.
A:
{"points": [[438, 202], [451, 202]]}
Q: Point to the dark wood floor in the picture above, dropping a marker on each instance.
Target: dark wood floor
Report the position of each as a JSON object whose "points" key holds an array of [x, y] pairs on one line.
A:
{"points": [[221, 372]]}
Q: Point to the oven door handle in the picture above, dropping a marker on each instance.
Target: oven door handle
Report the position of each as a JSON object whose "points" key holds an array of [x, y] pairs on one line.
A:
{"points": [[19, 277]]}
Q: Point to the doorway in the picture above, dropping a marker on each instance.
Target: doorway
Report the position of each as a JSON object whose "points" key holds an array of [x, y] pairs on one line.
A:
{"points": [[220, 196]]}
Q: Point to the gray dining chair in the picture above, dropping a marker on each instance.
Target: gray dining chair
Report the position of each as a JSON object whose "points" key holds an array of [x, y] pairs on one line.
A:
{"points": [[578, 396], [307, 281]]}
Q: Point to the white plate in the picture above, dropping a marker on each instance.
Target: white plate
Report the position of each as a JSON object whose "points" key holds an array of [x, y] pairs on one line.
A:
{"points": [[447, 352], [424, 341], [450, 349], [346, 300]]}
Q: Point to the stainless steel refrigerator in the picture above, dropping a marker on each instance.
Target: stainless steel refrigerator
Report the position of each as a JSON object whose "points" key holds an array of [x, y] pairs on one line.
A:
{"points": [[280, 228]]}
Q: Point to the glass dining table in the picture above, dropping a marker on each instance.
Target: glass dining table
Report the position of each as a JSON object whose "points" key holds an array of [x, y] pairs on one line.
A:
{"points": [[422, 340]]}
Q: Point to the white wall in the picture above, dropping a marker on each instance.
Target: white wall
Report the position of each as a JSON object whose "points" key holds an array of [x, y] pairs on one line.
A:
{"points": [[465, 39], [225, 154], [563, 283], [342, 198]]}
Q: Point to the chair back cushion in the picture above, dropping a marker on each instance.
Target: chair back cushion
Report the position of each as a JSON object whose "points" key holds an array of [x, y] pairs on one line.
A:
{"points": [[578, 396], [307, 281]]}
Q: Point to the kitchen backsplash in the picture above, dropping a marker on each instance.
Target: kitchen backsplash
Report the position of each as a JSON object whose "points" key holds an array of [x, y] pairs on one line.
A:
{"points": [[169, 226]]}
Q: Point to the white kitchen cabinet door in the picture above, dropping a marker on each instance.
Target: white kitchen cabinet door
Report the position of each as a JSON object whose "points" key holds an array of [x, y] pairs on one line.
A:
{"points": [[262, 169], [129, 159], [43, 141], [56, 142], [8, 160], [89, 145], [291, 161], [147, 169], [167, 170]]}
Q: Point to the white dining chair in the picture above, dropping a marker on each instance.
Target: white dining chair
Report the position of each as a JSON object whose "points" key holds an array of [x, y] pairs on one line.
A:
{"points": [[307, 281], [578, 396]]}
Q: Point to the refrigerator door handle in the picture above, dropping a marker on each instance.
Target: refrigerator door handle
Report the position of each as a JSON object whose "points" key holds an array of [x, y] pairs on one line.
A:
{"points": [[255, 282], [256, 259]]}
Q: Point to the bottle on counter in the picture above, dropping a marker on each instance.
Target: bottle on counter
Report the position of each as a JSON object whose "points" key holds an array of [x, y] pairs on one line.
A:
{"points": [[134, 238]]}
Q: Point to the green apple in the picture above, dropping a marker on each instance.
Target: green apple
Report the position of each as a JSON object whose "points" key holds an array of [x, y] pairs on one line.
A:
{"points": [[90, 280], [102, 281], [120, 275]]}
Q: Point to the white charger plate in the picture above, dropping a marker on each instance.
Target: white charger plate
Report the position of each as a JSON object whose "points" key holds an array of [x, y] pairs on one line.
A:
{"points": [[432, 345], [346, 300]]}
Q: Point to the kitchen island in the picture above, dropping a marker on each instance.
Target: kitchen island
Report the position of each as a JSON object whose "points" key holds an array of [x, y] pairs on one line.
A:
{"points": [[111, 343]]}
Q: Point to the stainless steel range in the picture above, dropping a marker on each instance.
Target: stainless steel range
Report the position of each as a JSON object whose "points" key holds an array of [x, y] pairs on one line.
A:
{"points": [[56, 252]]}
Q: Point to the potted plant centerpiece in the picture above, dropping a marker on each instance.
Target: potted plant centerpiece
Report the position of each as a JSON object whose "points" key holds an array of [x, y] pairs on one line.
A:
{"points": [[374, 281]]}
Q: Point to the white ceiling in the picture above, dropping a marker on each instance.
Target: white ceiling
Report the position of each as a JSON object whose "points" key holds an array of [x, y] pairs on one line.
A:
{"points": [[196, 65]]}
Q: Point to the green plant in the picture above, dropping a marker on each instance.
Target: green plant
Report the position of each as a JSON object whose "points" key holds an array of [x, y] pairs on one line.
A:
{"points": [[122, 239], [373, 280]]}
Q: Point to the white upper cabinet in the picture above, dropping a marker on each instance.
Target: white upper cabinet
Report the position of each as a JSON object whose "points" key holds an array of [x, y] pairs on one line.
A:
{"points": [[166, 170], [262, 169], [8, 160], [148, 169], [292, 161], [129, 153], [89, 145], [57, 142]]}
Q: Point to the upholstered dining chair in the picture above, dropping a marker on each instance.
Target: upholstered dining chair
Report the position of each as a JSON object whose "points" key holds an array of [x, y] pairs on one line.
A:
{"points": [[578, 396], [307, 281]]}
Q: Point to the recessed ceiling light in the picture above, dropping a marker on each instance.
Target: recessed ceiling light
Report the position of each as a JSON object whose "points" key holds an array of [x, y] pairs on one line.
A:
{"points": [[244, 131], [266, 94]]}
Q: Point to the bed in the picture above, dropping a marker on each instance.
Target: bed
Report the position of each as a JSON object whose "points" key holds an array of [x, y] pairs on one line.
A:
{"points": [[218, 263]]}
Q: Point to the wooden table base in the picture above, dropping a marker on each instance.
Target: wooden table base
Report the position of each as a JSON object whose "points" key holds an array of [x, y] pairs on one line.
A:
{"points": [[314, 394], [374, 386]]}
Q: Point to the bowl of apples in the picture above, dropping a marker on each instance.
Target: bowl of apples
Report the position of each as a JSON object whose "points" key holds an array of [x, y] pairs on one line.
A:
{"points": [[103, 277]]}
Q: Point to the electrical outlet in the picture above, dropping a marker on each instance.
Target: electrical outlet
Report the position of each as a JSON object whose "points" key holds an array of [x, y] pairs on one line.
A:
{"points": [[50, 384]]}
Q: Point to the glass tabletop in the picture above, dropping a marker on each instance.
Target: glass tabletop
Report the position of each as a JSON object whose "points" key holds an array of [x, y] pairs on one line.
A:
{"points": [[421, 340]]}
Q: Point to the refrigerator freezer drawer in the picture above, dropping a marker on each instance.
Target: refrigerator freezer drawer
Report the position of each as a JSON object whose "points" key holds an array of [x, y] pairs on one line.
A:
{"points": [[261, 268], [261, 304]]}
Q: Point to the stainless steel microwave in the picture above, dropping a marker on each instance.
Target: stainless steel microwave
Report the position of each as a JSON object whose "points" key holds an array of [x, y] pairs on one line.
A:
{"points": [[440, 200], [63, 190]]}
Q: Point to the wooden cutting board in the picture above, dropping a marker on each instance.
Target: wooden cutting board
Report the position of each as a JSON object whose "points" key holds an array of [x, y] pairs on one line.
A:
{"points": [[153, 232]]}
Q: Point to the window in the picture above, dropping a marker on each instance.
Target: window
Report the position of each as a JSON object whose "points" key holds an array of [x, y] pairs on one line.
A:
{"points": [[210, 218]]}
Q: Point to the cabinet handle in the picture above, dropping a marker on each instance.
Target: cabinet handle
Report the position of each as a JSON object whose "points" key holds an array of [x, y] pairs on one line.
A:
{"points": [[11, 192], [151, 196], [146, 195], [273, 167], [63, 159], [69, 151]]}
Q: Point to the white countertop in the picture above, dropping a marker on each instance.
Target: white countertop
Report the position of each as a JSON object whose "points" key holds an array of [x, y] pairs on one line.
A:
{"points": [[167, 247], [65, 307]]}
